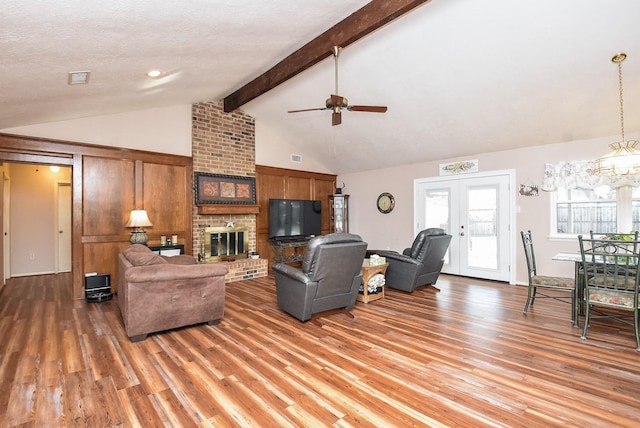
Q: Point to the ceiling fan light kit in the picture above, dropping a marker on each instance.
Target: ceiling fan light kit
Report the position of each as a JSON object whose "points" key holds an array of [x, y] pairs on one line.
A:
{"points": [[337, 103]]}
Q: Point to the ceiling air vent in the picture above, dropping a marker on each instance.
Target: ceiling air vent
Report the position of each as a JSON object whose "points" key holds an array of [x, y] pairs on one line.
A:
{"points": [[296, 158], [78, 77]]}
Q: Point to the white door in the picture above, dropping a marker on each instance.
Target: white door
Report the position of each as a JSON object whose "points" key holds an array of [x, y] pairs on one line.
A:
{"points": [[64, 227], [476, 211]]}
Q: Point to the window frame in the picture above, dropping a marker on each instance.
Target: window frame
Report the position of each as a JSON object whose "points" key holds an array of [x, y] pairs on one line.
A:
{"points": [[624, 212]]}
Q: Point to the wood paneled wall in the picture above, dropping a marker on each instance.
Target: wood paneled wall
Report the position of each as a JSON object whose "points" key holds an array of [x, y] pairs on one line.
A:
{"points": [[281, 183], [107, 184]]}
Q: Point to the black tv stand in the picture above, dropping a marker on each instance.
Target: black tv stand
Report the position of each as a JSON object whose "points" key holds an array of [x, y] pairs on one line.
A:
{"points": [[279, 246]]}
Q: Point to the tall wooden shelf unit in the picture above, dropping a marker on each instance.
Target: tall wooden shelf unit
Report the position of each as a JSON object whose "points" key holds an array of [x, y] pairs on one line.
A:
{"points": [[339, 216]]}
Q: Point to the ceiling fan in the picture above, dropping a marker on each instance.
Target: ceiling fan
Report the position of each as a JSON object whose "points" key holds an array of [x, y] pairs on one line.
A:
{"points": [[337, 103]]}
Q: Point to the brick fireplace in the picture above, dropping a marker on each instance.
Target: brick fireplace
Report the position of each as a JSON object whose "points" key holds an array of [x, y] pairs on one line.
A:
{"points": [[222, 143]]}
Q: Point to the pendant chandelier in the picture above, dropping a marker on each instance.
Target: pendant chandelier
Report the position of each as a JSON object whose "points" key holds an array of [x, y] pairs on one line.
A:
{"points": [[624, 159]]}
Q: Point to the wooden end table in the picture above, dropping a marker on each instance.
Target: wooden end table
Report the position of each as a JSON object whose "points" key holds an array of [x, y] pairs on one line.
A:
{"points": [[368, 271]]}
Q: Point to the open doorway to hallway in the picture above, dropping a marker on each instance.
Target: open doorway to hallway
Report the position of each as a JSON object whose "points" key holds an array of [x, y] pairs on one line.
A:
{"points": [[36, 219]]}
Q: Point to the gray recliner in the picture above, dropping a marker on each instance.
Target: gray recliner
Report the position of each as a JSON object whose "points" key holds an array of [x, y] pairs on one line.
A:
{"points": [[329, 278], [420, 264]]}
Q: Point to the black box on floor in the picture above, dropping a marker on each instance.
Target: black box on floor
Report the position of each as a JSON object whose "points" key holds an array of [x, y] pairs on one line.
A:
{"points": [[97, 288]]}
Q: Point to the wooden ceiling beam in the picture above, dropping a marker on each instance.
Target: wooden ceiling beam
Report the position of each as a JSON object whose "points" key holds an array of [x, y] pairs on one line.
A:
{"points": [[357, 25]]}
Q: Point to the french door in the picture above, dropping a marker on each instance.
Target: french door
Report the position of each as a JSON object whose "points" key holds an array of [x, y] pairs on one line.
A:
{"points": [[477, 211]]}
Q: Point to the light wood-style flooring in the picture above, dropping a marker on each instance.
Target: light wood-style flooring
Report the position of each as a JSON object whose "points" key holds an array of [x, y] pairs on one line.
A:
{"points": [[465, 356]]}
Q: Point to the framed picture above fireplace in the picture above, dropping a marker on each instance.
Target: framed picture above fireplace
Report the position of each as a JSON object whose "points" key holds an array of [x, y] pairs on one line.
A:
{"points": [[224, 189]]}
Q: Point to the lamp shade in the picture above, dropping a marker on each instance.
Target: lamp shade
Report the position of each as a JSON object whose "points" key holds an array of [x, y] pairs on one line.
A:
{"points": [[139, 218], [624, 160]]}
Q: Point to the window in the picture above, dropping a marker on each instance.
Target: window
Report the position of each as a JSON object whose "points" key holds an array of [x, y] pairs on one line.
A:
{"points": [[582, 201], [635, 208], [603, 209]]}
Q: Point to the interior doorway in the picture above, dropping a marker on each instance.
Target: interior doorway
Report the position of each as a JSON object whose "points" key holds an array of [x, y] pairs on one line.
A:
{"points": [[37, 210], [477, 210]]}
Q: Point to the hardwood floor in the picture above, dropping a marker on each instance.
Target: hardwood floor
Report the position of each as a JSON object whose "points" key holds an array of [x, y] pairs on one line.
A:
{"points": [[464, 356]]}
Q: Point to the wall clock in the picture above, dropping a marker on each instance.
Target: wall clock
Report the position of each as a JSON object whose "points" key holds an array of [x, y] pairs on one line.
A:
{"points": [[386, 203]]}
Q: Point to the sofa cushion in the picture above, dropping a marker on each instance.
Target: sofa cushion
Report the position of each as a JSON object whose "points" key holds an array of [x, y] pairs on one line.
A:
{"points": [[182, 259], [142, 258]]}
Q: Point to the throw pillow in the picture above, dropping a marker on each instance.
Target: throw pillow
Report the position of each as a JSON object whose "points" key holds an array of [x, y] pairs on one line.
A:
{"points": [[135, 248], [139, 258]]}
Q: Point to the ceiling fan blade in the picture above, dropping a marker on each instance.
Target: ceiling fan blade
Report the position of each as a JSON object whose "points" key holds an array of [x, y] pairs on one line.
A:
{"points": [[371, 109], [307, 109], [336, 118]]}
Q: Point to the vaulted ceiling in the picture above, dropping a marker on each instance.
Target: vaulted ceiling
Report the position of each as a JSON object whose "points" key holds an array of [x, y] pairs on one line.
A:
{"points": [[459, 77]]}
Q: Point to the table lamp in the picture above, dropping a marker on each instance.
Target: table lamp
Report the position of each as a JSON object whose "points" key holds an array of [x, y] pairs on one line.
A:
{"points": [[139, 219]]}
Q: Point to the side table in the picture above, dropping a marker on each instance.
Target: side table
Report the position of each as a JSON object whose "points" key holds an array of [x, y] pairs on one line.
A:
{"points": [[168, 250], [368, 271]]}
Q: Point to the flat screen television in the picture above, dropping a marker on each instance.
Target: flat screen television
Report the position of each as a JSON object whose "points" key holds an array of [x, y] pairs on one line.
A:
{"points": [[294, 218]]}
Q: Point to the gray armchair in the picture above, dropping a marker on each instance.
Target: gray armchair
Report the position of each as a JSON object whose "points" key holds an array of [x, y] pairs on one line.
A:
{"points": [[329, 278], [420, 264]]}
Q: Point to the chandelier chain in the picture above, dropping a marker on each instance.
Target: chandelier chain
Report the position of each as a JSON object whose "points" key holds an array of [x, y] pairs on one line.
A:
{"points": [[621, 98]]}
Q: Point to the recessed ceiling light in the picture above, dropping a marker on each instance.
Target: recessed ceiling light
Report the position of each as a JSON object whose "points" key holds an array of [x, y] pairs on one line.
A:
{"points": [[154, 73], [78, 77]]}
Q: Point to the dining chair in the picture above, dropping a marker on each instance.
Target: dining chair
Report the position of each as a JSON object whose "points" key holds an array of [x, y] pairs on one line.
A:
{"points": [[615, 236], [611, 281], [563, 287]]}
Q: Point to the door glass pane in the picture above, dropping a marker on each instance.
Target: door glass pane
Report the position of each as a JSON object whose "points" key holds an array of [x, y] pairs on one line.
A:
{"points": [[482, 227], [437, 212], [437, 209]]}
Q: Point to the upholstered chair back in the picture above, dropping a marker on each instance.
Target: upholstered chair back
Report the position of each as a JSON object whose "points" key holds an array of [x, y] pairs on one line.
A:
{"points": [[328, 279], [333, 260], [429, 247], [421, 263]]}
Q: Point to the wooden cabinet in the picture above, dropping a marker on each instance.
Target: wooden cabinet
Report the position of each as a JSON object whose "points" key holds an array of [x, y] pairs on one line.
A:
{"points": [[281, 183]]}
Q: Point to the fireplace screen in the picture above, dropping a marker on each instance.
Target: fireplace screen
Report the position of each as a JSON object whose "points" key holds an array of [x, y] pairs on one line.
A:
{"points": [[222, 243]]}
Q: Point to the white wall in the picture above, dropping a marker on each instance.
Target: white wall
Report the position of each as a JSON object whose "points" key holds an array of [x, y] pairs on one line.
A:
{"points": [[32, 231], [272, 151], [395, 230], [164, 130]]}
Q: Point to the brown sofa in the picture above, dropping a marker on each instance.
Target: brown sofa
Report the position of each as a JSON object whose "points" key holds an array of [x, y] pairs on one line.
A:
{"points": [[157, 293]]}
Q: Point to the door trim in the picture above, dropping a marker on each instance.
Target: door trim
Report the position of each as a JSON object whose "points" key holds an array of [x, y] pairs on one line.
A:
{"points": [[57, 221], [510, 173]]}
